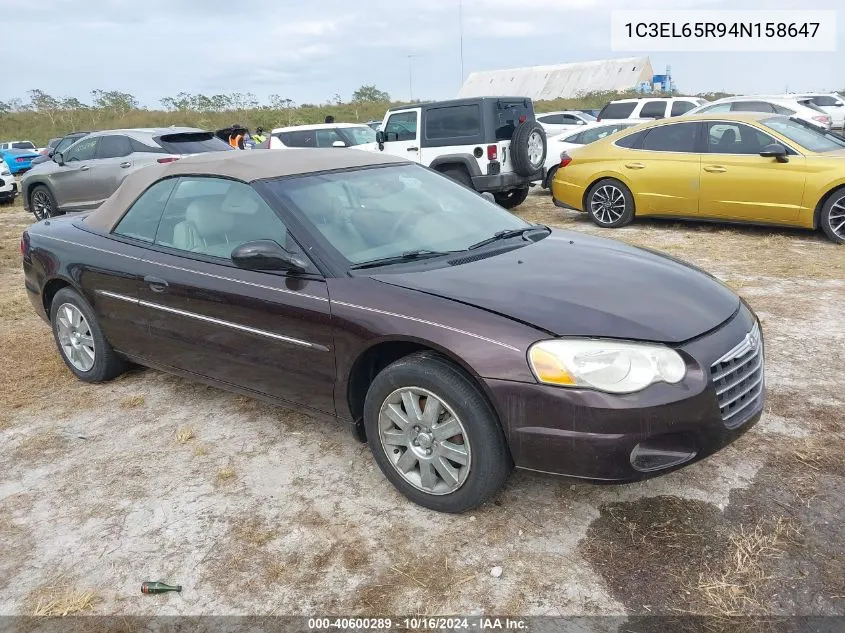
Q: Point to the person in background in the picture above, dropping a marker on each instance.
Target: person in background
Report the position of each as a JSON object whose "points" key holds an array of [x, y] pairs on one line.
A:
{"points": [[330, 119], [259, 137], [236, 136], [249, 143]]}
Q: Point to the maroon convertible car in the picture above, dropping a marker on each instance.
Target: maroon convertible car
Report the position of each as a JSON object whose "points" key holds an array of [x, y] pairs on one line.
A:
{"points": [[453, 337]]}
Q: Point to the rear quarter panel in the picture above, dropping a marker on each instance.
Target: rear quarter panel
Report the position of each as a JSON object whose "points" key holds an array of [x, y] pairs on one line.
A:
{"points": [[590, 163]]}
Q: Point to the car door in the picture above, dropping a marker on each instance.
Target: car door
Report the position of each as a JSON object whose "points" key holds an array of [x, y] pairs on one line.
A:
{"points": [[112, 162], [116, 285], [664, 171], [70, 182], [737, 183], [402, 134], [266, 332]]}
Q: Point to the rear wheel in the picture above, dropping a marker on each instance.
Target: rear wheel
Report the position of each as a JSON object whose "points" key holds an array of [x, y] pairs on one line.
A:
{"points": [[41, 203], [550, 177], [512, 198], [833, 217], [434, 434], [459, 175], [610, 204], [80, 340]]}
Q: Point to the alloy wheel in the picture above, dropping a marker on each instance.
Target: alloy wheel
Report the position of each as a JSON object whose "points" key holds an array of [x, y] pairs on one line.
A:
{"points": [[75, 339], [607, 204], [836, 218], [535, 149], [42, 206], [424, 440]]}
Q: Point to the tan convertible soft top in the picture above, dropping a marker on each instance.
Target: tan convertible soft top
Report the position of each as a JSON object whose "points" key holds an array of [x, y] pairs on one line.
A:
{"points": [[246, 166]]}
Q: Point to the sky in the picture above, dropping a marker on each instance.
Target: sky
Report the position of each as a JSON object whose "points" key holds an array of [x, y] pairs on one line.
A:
{"points": [[308, 51]]}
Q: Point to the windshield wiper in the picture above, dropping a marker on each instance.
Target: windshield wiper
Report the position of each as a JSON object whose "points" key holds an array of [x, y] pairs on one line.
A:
{"points": [[407, 256], [507, 234]]}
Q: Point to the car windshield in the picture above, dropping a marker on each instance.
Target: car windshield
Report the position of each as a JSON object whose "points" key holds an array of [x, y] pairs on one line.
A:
{"points": [[358, 135], [387, 212], [806, 135], [23, 145], [587, 116]]}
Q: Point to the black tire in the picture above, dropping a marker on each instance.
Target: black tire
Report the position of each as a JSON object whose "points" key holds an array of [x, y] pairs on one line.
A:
{"points": [[547, 184], [42, 203], [512, 198], [107, 364], [621, 211], [832, 218], [525, 135], [460, 176], [490, 461]]}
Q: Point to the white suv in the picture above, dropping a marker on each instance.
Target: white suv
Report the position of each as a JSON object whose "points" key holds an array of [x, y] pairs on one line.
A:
{"points": [[647, 108], [490, 144], [795, 107], [322, 135]]}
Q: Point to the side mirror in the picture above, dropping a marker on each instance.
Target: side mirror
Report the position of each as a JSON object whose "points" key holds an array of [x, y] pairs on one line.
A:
{"points": [[775, 150], [338, 144], [266, 255], [380, 138], [58, 158]]}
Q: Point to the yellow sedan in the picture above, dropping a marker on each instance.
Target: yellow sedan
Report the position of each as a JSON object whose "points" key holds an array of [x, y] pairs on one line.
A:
{"points": [[754, 168]]}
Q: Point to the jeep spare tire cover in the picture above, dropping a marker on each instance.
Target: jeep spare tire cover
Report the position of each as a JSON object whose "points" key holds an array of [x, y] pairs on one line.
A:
{"points": [[528, 148]]}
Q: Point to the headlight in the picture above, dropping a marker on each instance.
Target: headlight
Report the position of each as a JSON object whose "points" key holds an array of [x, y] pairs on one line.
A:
{"points": [[605, 365]]}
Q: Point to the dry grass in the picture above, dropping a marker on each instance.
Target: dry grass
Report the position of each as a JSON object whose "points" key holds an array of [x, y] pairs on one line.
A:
{"points": [[185, 434], [34, 448], [225, 474], [62, 600], [132, 402], [200, 450], [736, 587]]}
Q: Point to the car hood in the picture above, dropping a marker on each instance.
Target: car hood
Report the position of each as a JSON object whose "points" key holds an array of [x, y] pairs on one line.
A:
{"points": [[570, 284]]}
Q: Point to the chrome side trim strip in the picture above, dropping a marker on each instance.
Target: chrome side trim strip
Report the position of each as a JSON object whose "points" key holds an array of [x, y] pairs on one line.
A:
{"points": [[207, 319], [424, 322], [187, 270]]}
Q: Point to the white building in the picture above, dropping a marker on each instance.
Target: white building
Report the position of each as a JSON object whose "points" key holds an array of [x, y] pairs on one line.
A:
{"points": [[560, 81]]}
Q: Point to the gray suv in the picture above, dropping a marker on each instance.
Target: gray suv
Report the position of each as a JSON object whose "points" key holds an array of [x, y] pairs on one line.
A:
{"points": [[91, 169]]}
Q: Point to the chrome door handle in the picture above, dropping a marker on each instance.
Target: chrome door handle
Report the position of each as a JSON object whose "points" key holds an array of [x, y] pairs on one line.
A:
{"points": [[634, 165], [84, 168], [715, 169], [126, 164], [156, 283]]}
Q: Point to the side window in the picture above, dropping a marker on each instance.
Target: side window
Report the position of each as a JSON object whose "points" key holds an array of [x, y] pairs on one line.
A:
{"points": [[554, 119], [716, 109], [679, 107], [617, 110], [113, 146], [142, 220], [653, 110], [752, 106], [632, 141], [571, 119], [217, 216], [574, 138], [303, 138], [453, 122], [83, 150], [781, 110], [735, 138], [401, 126], [64, 143], [325, 138], [679, 137]]}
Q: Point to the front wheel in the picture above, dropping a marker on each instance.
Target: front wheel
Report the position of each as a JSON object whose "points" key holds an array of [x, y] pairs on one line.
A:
{"points": [[512, 198], [610, 204], [833, 217], [42, 203], [434, 434]]}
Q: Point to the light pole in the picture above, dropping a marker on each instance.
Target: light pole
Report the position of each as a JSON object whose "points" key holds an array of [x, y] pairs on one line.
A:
{"points": [[411, 77], [461, 35]]}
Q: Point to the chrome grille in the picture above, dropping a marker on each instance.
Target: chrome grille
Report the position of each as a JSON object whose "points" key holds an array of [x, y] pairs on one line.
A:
{"points": [[739, 379]]}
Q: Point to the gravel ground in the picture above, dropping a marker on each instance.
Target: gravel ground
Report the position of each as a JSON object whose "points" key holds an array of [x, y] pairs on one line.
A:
{"points": [[255, 509]]}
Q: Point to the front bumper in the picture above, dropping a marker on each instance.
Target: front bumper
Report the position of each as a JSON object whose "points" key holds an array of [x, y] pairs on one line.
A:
{"points": [[601, 437]]}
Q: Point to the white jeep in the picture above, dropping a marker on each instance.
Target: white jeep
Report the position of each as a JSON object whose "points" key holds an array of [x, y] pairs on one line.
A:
{"points": [[490, 144]]}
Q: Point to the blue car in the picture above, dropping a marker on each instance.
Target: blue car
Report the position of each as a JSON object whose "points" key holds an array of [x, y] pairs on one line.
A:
{"points": [[18, 160]]}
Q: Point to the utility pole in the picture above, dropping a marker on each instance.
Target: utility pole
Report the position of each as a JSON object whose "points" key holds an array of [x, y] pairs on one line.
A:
{"points": [[411, 78]]}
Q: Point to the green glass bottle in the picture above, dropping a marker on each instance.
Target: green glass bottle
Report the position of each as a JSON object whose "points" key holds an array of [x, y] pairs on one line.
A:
{"points": [[158, 587]]}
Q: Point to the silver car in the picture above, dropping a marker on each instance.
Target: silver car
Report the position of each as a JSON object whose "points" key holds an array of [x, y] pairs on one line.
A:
{"points": [[85, 174]]}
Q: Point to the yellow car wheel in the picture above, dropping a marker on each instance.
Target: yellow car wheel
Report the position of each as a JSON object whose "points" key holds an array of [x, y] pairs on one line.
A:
{"points": [[610, 204], [833, 216]]}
